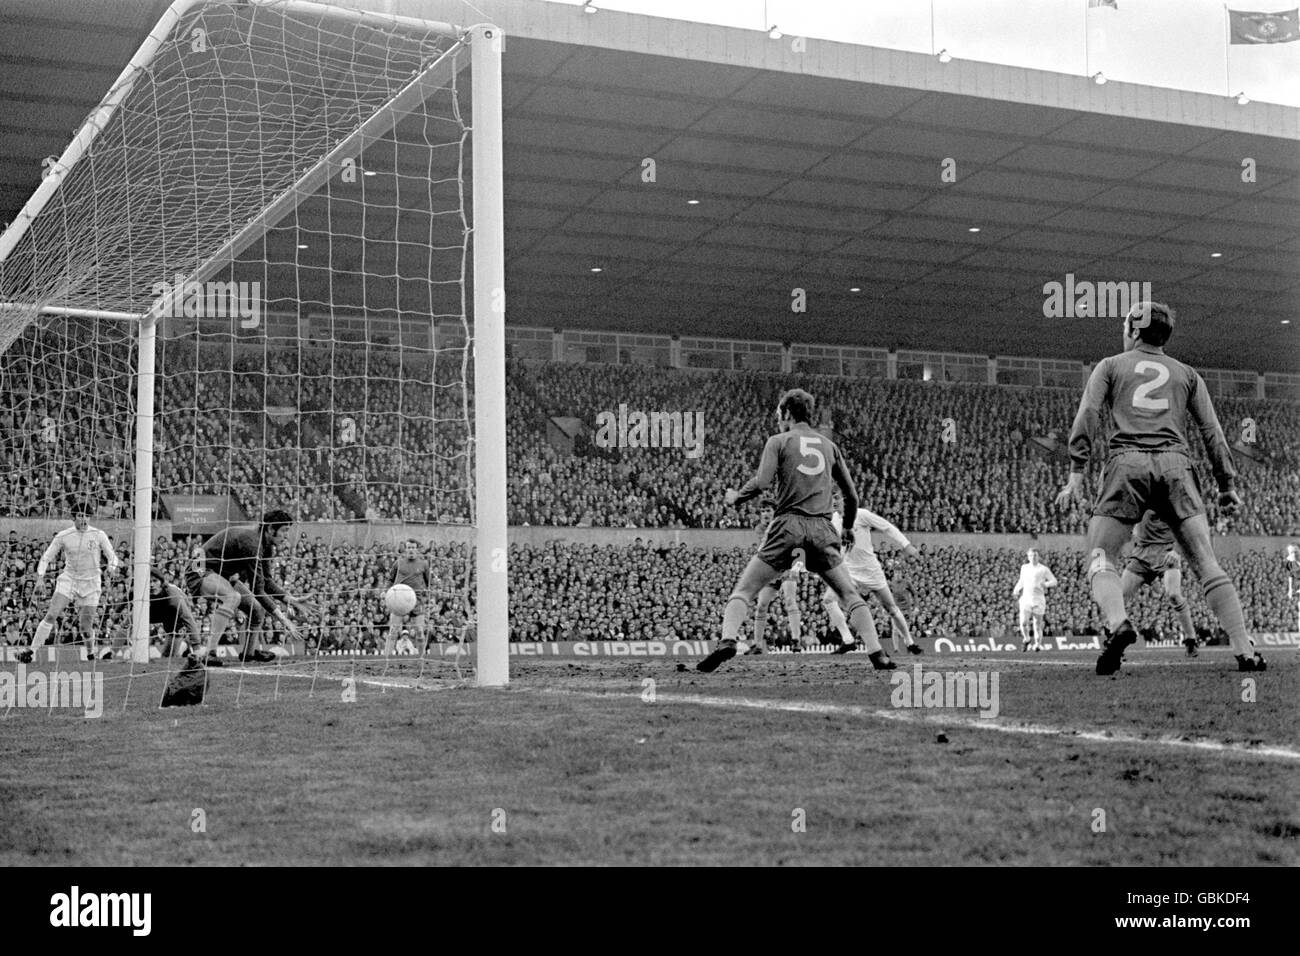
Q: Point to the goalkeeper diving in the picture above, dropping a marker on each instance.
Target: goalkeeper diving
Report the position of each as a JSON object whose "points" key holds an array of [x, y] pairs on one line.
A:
{"points": [[234, 566]]}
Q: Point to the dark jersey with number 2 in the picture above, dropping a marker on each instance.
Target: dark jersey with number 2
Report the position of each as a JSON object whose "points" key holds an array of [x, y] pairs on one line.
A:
{"points": [[1145, 397]]}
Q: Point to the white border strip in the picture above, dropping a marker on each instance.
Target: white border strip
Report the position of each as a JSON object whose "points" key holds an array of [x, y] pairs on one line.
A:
{"points": [[995, 724]]}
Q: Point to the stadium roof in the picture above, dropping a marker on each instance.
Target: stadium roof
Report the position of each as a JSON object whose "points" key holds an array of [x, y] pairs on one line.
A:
{"points": [[823, 182]]}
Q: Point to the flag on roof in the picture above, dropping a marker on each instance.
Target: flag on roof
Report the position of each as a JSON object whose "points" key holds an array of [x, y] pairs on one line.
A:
{"points": [[1255, 28]]}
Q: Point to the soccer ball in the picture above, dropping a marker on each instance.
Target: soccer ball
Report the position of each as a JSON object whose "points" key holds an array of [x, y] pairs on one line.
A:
{"points": [[400, 599]]}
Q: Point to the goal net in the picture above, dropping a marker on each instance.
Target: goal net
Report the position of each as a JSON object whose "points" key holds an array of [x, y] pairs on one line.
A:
{"points": [[266, 274]]}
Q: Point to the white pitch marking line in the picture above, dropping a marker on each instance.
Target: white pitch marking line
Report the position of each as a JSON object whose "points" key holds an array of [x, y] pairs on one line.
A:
{"points": [[369, 681], [909, 716]]}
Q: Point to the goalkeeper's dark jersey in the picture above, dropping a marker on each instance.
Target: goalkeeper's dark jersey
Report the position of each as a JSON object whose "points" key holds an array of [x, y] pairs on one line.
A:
{"points": [[411, 571], [240, 551]]}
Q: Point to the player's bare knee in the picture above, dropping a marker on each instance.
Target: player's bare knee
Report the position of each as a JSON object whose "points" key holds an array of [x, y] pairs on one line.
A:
{"points": [[1099, 561]]}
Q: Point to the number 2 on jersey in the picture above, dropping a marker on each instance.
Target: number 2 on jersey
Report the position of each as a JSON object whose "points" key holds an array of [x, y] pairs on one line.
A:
{"points": [[1142, 394], [807, 448]]}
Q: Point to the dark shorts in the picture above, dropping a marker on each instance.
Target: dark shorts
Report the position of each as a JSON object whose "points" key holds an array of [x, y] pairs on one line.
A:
{"points": [[793, 536], [1151, 563], [1138, 481]]}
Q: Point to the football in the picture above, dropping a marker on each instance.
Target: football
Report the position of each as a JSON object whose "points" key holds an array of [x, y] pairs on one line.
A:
{"points": [[400, 599]]}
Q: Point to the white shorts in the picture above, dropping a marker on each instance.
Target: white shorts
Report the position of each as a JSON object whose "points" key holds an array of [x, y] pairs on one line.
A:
{"points": [[83, 594], [1039, 608], [869, 579]]}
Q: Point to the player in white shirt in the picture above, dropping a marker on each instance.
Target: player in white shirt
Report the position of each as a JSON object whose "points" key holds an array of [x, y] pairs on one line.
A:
{"points": [[1035, 579], [869, 577], [80, 583]]}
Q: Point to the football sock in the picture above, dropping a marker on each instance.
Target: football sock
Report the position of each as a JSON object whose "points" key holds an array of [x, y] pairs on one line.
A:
{"points": [[220, 619], [900, 627], [863, 626], [1108, 594], [1184, 612], [796, 623], [838, 621], [733, 616], [42, 633], [760, 624], [1223, 601]]}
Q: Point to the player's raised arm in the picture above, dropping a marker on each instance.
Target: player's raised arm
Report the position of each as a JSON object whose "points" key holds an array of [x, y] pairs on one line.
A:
{"points": [[1201, 409], [871, 521], [762, 478]]}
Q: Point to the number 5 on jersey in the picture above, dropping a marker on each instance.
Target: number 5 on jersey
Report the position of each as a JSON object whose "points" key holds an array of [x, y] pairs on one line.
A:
{"points": [[808, 448]]}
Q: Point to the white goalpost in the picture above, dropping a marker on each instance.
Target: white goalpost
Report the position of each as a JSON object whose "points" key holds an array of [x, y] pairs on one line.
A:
{"points": [[218, 153]]}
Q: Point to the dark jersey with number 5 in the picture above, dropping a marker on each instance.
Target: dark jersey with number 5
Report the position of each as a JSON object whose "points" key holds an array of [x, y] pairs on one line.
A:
{"points": [[1145, 397], [801, 463]]}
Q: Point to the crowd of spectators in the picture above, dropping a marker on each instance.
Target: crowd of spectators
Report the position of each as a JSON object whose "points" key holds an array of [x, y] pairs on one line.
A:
{"points": [[353, 434], [562, 590]]}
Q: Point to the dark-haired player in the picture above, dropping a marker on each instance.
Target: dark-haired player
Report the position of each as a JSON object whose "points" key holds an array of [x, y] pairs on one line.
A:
{"points": [[84, 549], [1146, 398], [802, 467], [234, 566], [1153, 556], [169, 607]]}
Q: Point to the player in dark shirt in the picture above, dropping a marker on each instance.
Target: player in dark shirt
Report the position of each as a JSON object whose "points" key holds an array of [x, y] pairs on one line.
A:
{"points": [[1144, 398], [787, 586], [234, 566], [410, 569], [170, 608], [803, 468], [1153, 556]]}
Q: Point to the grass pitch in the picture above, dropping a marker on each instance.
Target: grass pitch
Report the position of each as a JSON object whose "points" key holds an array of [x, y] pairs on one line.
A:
{"points": [[777, 760]]}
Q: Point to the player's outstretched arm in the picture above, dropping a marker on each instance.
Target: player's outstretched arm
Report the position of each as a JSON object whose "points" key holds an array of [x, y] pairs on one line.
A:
{"points": [[762, 478], [874, 522]]}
